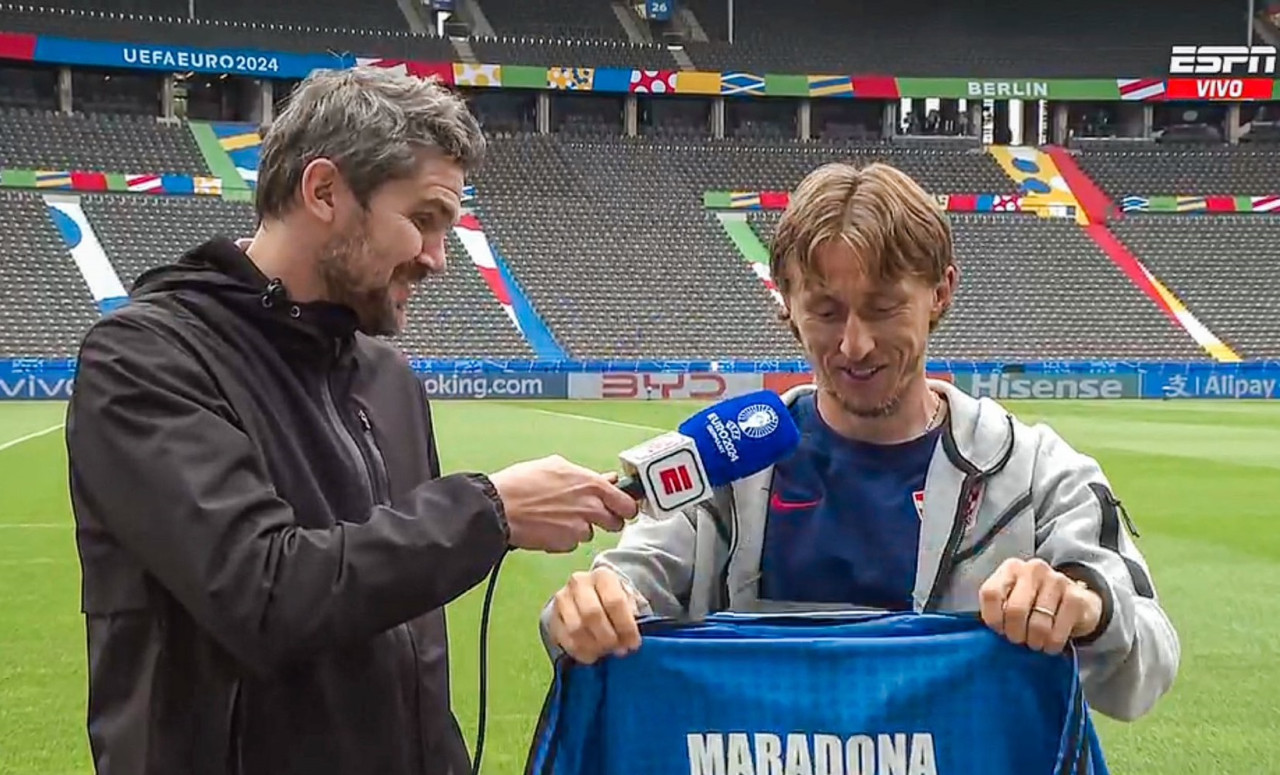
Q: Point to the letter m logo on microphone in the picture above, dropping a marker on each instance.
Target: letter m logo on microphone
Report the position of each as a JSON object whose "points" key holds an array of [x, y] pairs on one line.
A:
{"points": [[674, 481]]}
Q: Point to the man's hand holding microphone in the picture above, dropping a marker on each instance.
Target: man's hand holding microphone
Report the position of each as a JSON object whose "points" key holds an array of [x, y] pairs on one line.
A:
{"points": [[596, 613], [553, 505]]}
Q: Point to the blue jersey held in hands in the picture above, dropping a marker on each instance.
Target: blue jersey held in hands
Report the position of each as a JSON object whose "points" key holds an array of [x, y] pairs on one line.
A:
{"points": [[818, 694]]}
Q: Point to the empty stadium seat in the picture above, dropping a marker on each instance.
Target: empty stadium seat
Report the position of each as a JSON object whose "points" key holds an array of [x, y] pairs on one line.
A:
{"points": [[614, 250], [1038, 289], [1148, 169], [312, 35], [939, 38], [453, 316], [611, 242], [581, 19], [97, 142], [1223, 267], [367, 14], [45, 304], [559, 52]]}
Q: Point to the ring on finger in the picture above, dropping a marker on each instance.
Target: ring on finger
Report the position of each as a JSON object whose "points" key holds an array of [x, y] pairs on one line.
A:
{"points": [[1039, 609]]}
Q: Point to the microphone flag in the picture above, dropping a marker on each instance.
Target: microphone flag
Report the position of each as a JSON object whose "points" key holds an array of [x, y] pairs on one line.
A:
{"points": [[818, 694]]}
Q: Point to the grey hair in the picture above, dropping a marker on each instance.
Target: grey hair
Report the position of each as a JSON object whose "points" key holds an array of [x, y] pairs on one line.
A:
{"points": [[372, 123]]}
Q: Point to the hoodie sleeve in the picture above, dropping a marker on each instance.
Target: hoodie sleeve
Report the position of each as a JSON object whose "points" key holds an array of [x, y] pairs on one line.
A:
{"points": [[158, 461], [1130, 662]]}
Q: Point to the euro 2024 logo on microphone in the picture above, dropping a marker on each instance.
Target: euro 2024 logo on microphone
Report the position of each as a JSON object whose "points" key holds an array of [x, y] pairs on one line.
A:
{"points": [[758, 421]]}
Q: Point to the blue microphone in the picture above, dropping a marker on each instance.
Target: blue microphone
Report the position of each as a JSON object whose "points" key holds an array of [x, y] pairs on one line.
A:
{"points": [[721, 444]]}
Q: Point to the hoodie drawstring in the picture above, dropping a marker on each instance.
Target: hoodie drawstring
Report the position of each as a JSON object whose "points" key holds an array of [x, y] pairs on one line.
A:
{"points": [[275, 290]]}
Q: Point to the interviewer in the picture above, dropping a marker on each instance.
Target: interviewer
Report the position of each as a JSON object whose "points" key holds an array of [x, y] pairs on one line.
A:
{"points": [[266, 539]]}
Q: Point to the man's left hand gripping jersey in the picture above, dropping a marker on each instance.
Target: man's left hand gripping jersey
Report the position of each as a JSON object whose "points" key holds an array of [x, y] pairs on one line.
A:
{"points": [[821, 694]]}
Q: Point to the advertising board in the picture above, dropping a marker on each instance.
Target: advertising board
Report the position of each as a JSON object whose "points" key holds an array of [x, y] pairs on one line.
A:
{"points": [[164, 58], [1208, 384], [47, 379], [781, 383], [36, 387], [1075, 386], [784, 381], [36, 380], [653, 386], [495, 386]]}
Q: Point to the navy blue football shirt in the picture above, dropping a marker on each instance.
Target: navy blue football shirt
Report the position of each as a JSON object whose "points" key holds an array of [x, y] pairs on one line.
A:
{"points": [[844, 518]]}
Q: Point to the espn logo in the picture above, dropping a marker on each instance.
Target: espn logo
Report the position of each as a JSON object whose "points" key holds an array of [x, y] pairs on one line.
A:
{"points": [[1222, 60], [675, 480]]}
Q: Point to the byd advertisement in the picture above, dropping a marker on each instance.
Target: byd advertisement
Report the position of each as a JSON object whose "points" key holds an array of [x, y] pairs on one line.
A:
{"points": [[654, 386]]}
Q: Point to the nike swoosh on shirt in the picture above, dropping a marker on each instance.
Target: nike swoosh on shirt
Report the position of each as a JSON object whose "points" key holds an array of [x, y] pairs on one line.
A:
{"points": [[784, 505]]}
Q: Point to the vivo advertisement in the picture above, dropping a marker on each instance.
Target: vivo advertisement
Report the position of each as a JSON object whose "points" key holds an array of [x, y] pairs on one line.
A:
{"points": [[35, 379]]}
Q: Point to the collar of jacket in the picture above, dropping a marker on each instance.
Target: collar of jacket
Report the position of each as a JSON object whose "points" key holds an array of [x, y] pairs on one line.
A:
{"points": [[220, 272], [977, 443], [976, 436]]}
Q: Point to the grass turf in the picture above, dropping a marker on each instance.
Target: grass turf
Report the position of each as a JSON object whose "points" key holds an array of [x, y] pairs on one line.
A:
{"points": [[1200, 480]]}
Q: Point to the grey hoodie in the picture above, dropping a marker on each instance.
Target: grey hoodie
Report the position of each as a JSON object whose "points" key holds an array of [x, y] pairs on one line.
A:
{"points": [[996, 488]]}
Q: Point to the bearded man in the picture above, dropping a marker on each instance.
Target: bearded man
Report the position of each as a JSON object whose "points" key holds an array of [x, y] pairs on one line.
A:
{"points": [[905, 494], [266, 539]]}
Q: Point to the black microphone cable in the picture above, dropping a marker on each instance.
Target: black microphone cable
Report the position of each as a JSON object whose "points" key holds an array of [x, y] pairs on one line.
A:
{"points": [[485, 610]]}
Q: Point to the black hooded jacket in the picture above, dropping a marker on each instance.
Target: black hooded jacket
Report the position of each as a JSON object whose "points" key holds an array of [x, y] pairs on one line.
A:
{"points": [[265, 536]]}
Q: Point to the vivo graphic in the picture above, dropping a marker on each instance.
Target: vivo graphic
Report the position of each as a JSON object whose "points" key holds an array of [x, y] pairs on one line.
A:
{"points": [[36, 380]]}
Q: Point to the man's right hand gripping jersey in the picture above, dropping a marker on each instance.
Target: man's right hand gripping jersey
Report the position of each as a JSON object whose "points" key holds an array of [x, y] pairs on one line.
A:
{"points": [[818, 694]]}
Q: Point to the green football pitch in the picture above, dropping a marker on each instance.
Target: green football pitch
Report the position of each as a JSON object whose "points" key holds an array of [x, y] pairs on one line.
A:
{"points": [[1201, 481]]}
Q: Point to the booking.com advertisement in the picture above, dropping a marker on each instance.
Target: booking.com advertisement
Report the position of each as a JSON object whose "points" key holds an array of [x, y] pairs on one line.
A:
{"points": [[482, 385]]}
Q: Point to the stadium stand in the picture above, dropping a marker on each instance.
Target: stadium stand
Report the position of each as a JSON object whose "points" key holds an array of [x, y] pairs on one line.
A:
{"points": [[551, 52], [651, 275], [591, 19], [1037, 289], [608, 236], [454, 316], [46, 305], [318, 32], [1148, 169], [941, 166], [1223, 267], [367, 15], [1000, 38], [97, 142]]}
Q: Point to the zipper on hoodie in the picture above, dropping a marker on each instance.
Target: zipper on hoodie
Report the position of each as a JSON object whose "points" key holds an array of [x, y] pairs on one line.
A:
{"points": [[379, 464], [948, 560], [349, 441]]}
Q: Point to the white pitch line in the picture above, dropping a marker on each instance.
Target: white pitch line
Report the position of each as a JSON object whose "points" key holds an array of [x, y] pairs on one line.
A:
{"points": [[600, 420], [30, 436], [33, 525]]}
